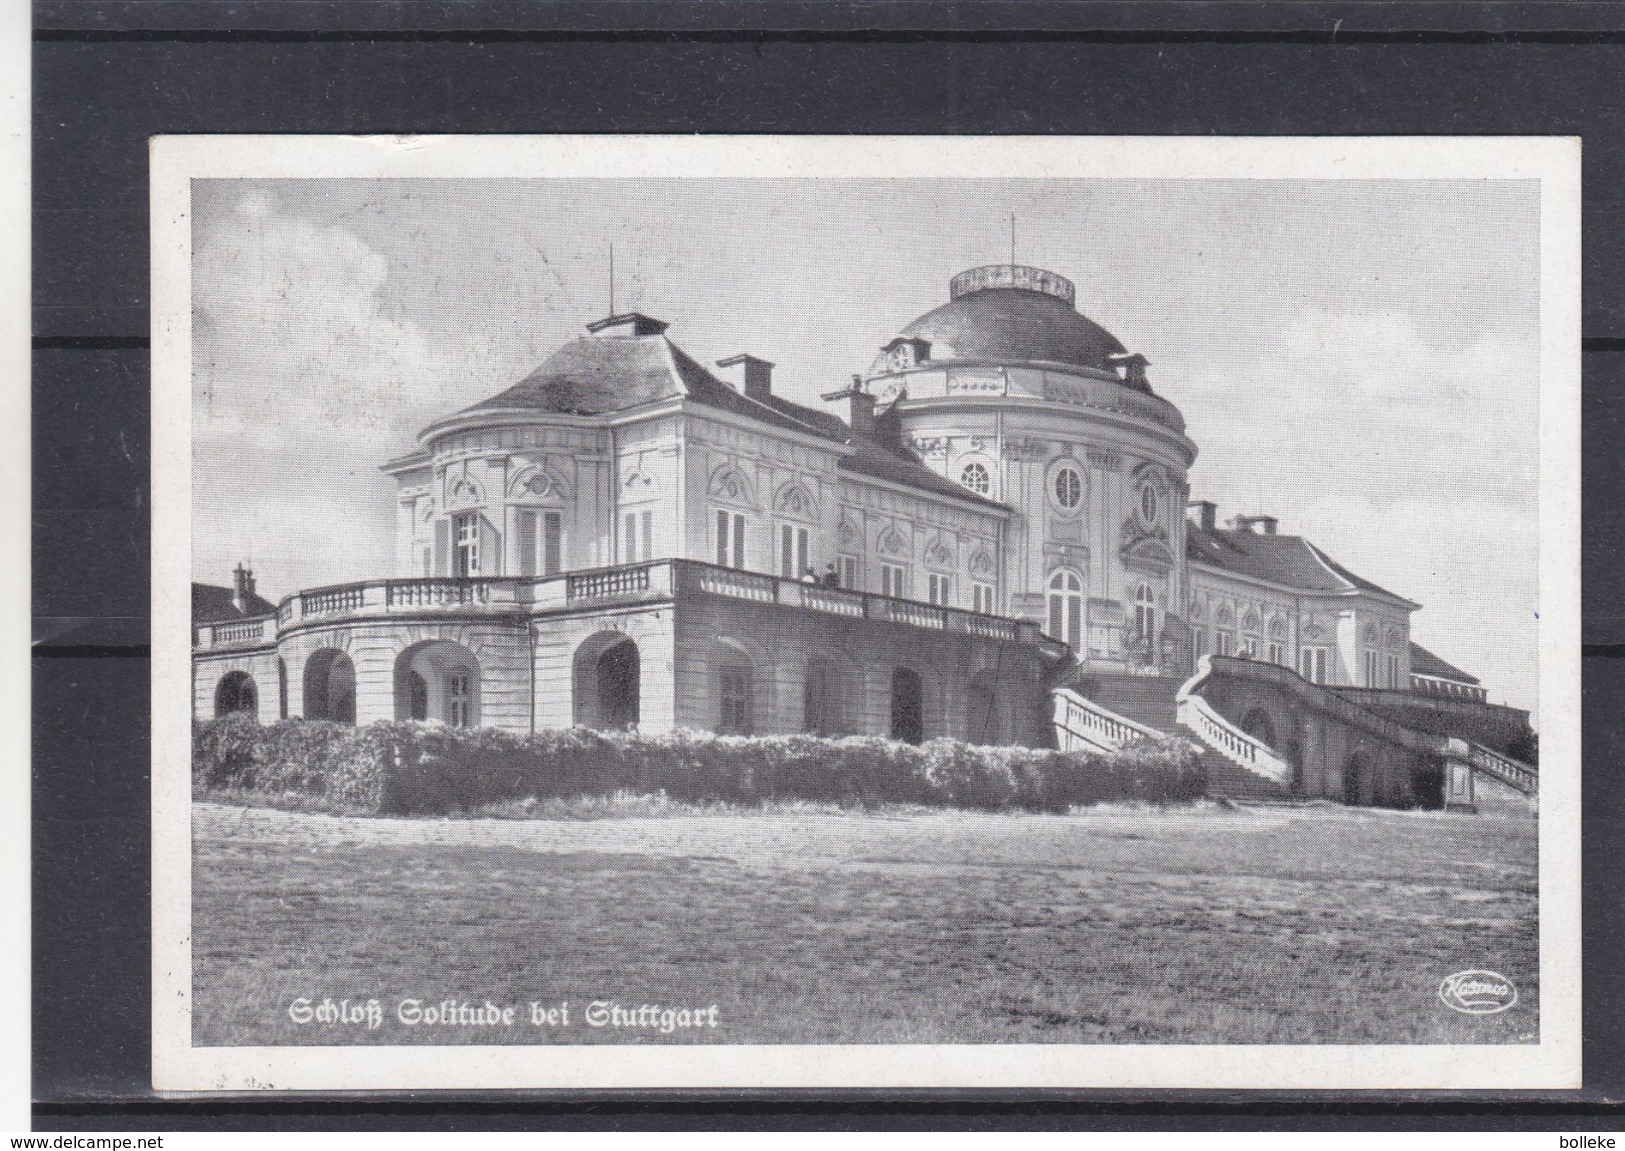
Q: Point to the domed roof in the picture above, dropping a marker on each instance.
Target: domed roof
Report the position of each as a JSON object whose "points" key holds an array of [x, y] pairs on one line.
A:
{"points": [[1000, 315]]}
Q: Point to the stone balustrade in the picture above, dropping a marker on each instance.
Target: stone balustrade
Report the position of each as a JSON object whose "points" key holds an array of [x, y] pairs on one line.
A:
{"points": [[629, 583], [1084, 724]]}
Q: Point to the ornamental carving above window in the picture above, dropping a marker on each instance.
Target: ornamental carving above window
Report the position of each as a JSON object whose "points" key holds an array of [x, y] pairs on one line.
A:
{"points": [[794, 501], [891, 543], [464, 492], [939, 554], [981, 563], [728, 484]]}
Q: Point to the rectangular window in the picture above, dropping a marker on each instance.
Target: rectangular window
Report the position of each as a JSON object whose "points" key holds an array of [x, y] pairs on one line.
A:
{"points": [[730, 539], [1198, 642], [466, 554], [1371, 669], [1393, 671], [893, 579], [552, 543], [849, 572], [524, 534], [629, 538], [1227, 643], [937, 588], [734, 685], [428, 563], [793, 551], [1249, 647], [459, 700], [648, 535], [638, 542], [1312, 664], [1277, 654], [982, 598]]}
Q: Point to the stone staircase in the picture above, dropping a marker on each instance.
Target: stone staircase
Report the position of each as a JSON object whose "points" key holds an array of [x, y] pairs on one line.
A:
{"points": [[1149, 700]]}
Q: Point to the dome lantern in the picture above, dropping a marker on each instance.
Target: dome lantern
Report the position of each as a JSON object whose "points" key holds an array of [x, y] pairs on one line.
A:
{"points": [[1021, 276]]}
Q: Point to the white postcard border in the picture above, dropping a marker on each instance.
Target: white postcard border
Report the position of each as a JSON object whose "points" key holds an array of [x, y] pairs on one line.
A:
{"points": [[1553, 1063]]}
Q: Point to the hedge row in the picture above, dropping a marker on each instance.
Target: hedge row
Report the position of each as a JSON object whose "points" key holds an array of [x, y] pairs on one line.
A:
{"points": [[425, 769]]}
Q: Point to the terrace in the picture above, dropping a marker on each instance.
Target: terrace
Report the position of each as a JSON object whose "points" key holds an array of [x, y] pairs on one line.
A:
{"points": [[651, 582]]}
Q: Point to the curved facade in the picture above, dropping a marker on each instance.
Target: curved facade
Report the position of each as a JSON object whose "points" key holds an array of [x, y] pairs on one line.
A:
{"points": [[1008, 391]]}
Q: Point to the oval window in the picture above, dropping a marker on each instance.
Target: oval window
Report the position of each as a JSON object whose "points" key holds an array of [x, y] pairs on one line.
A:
{"points": [[1068, 488], [1148, 504]]}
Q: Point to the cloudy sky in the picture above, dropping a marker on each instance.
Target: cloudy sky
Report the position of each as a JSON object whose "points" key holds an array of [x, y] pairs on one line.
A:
{"points": [[1359, 358]]}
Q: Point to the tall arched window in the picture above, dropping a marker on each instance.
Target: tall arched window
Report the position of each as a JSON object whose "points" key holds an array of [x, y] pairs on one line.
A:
{"points": [[1145, 612], [974, 476], [1066, 609]]}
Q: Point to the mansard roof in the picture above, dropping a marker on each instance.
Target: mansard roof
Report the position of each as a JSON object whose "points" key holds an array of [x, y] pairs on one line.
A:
{"points": [[593, 376], [1424, 662], [881, 457], [599, 375], [1290, 561]]}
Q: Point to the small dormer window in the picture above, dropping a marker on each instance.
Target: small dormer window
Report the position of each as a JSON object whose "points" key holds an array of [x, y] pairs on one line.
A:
{"points": [[901, 354]]}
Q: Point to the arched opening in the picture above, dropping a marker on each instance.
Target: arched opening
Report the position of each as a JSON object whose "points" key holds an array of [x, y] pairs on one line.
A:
{"points": [[1356, 781], [1066, 609], [438, 681], [236, 693], [607, 682], [1427, 782], [907, 706], [330, 686], [281, 688], [1145, 611], [820, 699], [984, 722], [1257, 723]]}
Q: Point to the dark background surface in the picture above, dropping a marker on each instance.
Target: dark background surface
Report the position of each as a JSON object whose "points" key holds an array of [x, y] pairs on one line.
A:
{"points": [[109, 75]]}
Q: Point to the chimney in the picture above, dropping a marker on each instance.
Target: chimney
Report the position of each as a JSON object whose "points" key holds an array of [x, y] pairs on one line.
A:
{"points": [[1207, 514], [242, 588], [1258, 525], [748, 375], [860, 407]]}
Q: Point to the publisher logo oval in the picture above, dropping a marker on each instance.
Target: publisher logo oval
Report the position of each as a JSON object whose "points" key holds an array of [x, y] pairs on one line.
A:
{"points": [[1478, 992]]}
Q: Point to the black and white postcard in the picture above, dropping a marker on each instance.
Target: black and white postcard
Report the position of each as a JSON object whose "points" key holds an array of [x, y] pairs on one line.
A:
{"points": [[832, 612]]}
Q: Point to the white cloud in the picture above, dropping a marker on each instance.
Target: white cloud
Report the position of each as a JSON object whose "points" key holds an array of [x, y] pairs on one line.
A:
{"points": [[297, 345]]}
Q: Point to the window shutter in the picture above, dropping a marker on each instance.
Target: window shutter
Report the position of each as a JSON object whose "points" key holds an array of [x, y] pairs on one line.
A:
{"points": [[553, 555], [442, 545], [490, 548], [525, 542]]}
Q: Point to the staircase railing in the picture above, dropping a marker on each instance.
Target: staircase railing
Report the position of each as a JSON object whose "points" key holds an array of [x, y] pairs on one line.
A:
{"points": [[1092, 726], [1519, 776], [1224, 737]]}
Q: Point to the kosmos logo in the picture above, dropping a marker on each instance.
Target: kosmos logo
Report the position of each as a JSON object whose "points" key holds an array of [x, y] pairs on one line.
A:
{"points": [[1478, 992]]}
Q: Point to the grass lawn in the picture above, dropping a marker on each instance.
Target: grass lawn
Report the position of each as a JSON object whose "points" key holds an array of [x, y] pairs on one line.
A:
{"points": [[1196, 925]]}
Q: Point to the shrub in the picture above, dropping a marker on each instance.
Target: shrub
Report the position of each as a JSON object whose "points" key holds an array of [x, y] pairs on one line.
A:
{"points": [[426, 769]]}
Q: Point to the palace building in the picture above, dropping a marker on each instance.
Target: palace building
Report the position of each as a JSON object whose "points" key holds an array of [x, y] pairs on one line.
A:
{"points": [[987, 535]]}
